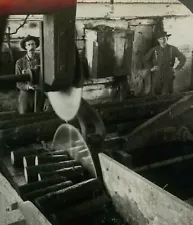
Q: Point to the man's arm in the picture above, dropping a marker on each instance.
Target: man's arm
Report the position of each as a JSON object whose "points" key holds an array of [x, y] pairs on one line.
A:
{"points": [[181, 58], [147, 60], [20, 85]]}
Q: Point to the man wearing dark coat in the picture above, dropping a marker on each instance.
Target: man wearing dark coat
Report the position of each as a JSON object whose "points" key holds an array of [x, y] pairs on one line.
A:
{"points": [[161, 60]]}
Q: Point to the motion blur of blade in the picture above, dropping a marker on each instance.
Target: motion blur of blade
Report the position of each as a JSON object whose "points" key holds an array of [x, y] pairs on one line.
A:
{"points": [[66, 104], [33, 7], [68, 138]]}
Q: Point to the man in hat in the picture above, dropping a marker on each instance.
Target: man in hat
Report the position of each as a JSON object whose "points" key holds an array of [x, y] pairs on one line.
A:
{"points": [[160, 60], [30, 61]]}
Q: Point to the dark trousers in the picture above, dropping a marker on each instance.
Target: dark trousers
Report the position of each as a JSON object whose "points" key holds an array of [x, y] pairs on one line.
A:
{"points": [[26, 102], [162, 85]]}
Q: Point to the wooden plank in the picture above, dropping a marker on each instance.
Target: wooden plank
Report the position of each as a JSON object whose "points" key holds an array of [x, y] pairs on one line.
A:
{"points": [[9, 201], [139, 201], [168, 118], [32, 215], [2, 209], [11, 196], [13, 203], [15, 217]]}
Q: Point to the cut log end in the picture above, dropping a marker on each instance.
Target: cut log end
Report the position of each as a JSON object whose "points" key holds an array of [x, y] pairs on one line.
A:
{"points": [[36, 160], [12, 158], [25, 175], [24, 162], [39, 177]]}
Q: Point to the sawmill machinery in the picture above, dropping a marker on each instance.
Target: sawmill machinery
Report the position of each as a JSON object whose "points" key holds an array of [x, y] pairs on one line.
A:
{"points": [[70, 179]]}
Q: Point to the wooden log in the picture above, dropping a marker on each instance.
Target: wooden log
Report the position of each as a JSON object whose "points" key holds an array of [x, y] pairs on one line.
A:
{"points": [[17, 156], [45, 159], [161, 136], [38, 193], [26, 188], [133, 112], [135, 100], [123, 157], [122, 128], [72, 174], [154, 138], [66, 152], [83, 209], [163, 163], [68, 196], [58, 153], [128, 127], [30, 133], [168, 118], [140, 100], [31, 173], [115, 143], [14, 115], [29, 160], [5, 124]]}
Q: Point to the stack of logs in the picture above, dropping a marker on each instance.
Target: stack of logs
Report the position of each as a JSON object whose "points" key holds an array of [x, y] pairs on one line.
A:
{"points": [[160, 146], [59, 186], [123, 117], [19, 130]]}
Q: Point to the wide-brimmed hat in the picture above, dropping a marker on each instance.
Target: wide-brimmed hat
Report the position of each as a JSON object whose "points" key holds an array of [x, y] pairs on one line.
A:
{"points": [[28, 38], [162, 34]]}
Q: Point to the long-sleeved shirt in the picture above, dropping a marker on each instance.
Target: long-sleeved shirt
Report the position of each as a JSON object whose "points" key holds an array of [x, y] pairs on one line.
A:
{"points": [[24, 64], [164, 57]]}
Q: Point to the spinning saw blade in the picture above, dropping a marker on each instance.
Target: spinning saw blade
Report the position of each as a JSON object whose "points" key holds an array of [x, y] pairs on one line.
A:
{"points": [[68, 138], [66, 104]]}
